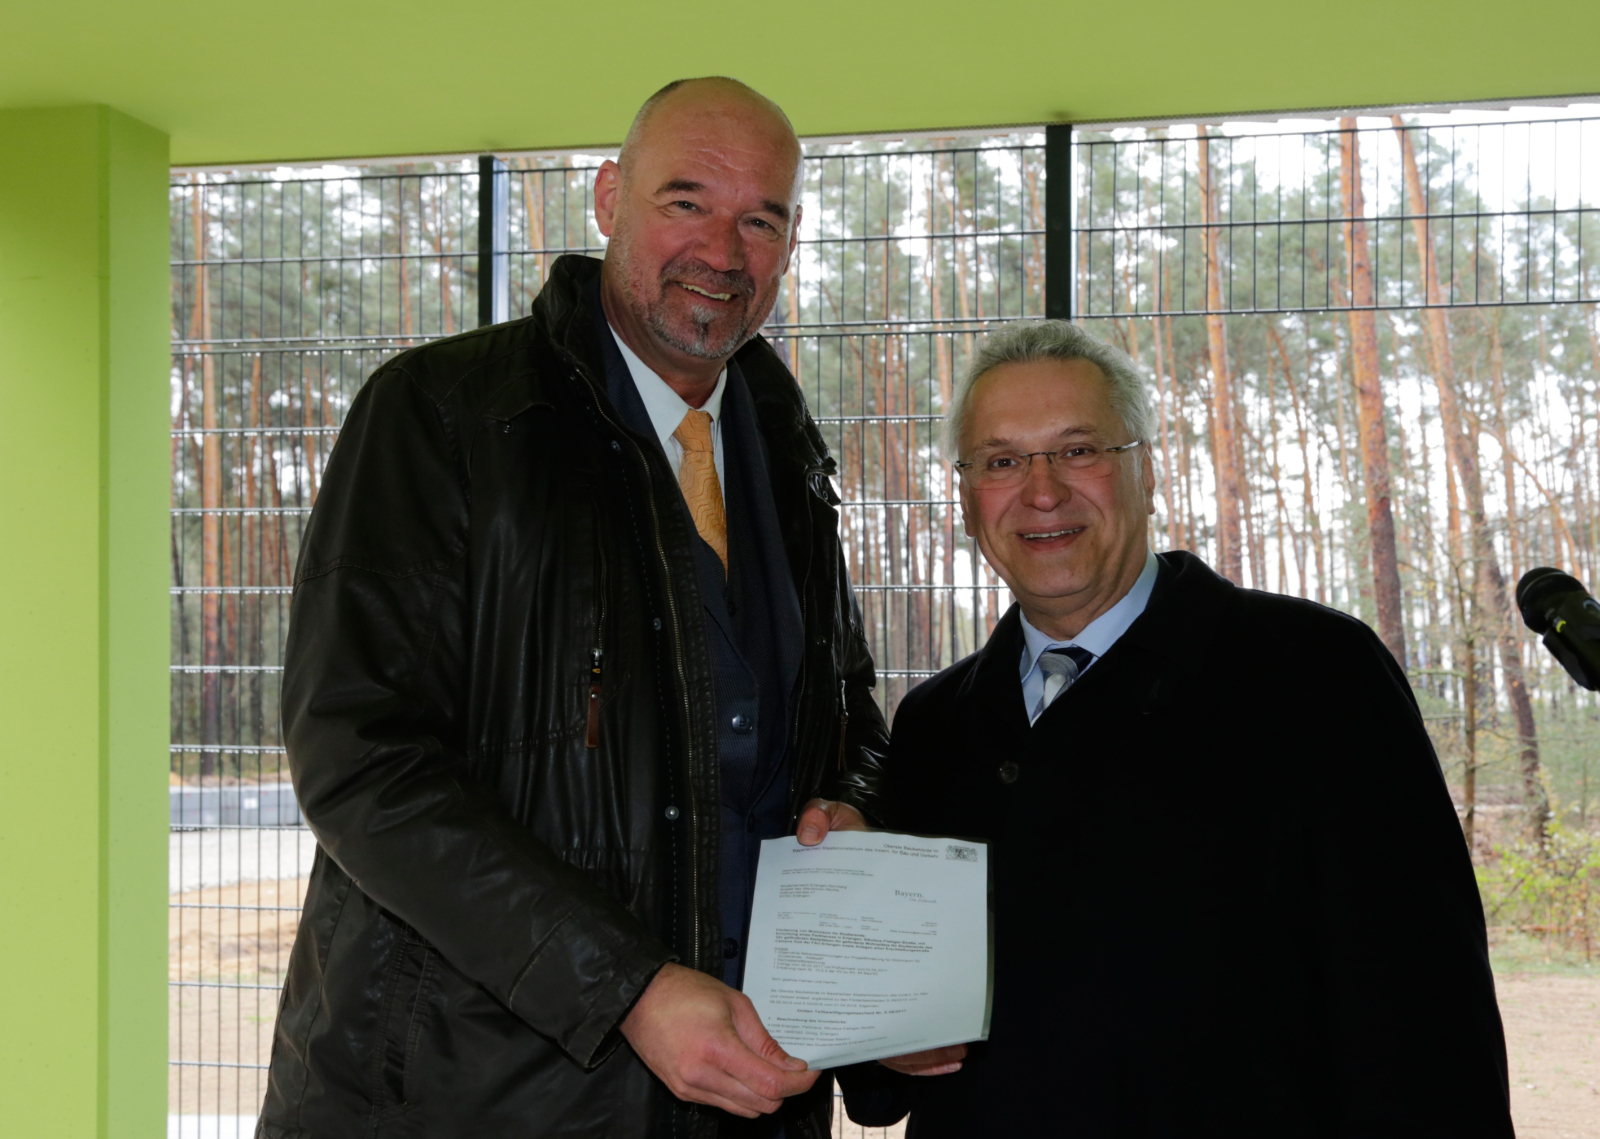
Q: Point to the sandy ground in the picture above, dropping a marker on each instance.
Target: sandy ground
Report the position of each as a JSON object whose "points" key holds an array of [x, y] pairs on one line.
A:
{"points": [[1553, 1045], [844, 1129], [230, 941], [228, 947]]}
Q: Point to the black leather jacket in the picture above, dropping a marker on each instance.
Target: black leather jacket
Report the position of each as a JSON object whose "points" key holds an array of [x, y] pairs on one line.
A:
{"points": [[505, 862]]}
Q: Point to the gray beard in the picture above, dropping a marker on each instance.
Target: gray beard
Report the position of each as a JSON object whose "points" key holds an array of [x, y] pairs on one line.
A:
{"points": [[700, 346], [654, 313]]}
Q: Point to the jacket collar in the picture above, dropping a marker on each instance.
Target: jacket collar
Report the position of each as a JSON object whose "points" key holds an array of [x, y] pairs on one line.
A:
{"points": [[1186, 614], [561, 309], [1188, 604], [564, 350], [993, 685]]}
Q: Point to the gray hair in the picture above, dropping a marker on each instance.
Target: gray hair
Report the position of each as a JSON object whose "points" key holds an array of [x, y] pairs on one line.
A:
{"points": [[1028, 341]]}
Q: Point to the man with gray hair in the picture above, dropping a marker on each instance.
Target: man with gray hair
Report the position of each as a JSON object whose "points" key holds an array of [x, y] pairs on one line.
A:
{"points": [[1230, 894]]}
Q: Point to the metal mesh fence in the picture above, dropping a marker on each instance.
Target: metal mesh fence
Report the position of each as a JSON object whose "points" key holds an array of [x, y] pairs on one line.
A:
{"points": [[907, 253], [290, 287], [1228, 252], [1188, 249], [1405, 303], [1509, 205], [288, 290]]}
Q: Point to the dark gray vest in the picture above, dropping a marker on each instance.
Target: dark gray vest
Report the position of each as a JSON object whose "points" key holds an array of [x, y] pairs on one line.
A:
{"points": [[753, 630]]}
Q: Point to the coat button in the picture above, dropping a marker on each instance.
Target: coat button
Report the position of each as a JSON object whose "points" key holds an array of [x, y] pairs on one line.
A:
{"points": [[730, 948], [743, 724], [1009, 771], [615, 446], [672, 812]]}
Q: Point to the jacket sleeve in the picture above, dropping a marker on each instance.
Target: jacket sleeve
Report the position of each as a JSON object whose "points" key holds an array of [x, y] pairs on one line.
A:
{"points": [[864, 736], [1415, 1043], [373, 695]]}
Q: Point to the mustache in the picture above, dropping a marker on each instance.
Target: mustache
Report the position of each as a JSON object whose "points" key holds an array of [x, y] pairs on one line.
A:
{"points": [[702, 276]]}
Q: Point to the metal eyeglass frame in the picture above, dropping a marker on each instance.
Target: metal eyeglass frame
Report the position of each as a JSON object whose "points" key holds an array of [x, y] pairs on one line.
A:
{"points": [[1050, 457]]}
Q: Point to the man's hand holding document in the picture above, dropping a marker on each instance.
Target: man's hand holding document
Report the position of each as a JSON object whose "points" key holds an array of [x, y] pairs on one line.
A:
{"points": [[870, 945]]}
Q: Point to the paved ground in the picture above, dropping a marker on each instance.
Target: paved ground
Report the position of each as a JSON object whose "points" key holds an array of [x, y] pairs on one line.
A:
{"points": [[211, 1126], [221, 857]]}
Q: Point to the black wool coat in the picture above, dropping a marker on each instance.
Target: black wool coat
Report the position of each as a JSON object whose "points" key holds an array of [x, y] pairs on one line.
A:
{"points": [[1230, 892]]}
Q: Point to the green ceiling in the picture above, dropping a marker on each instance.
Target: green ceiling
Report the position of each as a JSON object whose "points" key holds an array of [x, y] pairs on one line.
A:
{"points": [[302, 79]]}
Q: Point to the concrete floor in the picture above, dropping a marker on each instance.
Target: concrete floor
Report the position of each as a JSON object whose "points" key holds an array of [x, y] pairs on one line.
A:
{"points": [[226, 855]]}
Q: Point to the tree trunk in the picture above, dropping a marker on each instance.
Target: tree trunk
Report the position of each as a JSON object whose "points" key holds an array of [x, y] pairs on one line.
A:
{"points": [[1253, 523], [1494, 601], [250, 541], [1167, 455], [1467, 647], [211, 501], [944, 366], [1277, 490], [1369, 400], [1225, 451], [1306, 471], [407, 321], [1186, 535], [1517, 563], [533, 213]]}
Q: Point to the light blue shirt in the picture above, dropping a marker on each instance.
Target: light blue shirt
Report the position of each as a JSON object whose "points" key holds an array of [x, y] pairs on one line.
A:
{"points": [[666, 409], [1098, 635]]}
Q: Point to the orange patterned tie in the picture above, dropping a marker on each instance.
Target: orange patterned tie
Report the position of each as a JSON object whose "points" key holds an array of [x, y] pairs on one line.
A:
{"points": [[697, 475]]}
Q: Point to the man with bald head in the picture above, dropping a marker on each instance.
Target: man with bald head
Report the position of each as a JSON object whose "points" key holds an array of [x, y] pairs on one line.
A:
{"points": [[571, 635]]}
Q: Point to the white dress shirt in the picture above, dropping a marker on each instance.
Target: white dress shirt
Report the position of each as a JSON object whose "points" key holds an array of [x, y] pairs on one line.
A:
{"points": [[666, 409], [1098, 635]]}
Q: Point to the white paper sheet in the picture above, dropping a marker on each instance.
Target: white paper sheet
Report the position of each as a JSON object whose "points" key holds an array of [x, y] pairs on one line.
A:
{"points": [[870, 945]]}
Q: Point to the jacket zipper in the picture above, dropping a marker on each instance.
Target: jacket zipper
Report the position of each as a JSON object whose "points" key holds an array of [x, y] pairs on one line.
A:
{"points": [[683, 685], [844, 724], [805, 632], [592, 735]]}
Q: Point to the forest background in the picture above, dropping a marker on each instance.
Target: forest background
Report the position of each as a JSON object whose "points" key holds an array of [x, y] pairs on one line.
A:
{"points": [[1372, 343]]}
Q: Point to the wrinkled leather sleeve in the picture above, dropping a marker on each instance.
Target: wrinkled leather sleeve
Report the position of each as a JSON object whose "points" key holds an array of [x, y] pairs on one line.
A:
{"points": [[860, 779], [372, 710]]}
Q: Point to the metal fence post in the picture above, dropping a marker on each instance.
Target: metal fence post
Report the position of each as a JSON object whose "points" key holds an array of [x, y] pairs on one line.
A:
{"points": [[1058, 274], [494, 260]]}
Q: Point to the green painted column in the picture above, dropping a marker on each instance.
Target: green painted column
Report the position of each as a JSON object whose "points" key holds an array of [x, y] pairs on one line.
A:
{"points": [[84, 637]]}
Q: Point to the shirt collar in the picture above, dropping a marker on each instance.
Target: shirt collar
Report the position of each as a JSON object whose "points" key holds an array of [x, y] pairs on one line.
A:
{"points": [[665, 406], [1100, 634]]}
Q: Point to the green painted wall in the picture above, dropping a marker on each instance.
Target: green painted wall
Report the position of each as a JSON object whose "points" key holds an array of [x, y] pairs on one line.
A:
{"points": [[84, 449], [335, 78], [84, 639]]}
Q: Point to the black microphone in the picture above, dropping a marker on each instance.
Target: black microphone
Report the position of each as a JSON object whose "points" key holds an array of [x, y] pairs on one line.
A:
{"points": [[1556, 605]]}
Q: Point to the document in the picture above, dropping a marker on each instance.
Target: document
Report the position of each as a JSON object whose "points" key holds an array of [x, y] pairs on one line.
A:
{"points": [[869, 945]]}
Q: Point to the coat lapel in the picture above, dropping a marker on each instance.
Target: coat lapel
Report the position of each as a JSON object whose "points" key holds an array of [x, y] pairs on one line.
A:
{"points": [[993, 689]]}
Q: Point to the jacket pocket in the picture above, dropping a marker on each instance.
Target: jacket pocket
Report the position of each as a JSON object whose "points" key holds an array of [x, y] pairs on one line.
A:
{"points": [[408, 983]]}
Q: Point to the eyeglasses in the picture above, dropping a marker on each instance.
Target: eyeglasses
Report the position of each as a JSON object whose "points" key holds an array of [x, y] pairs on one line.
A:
{"points": [[1081, 461]]}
